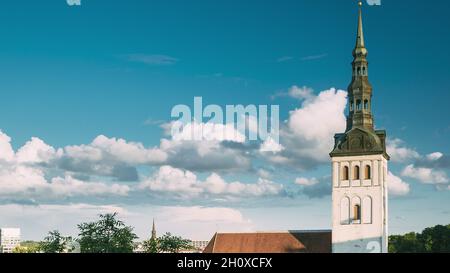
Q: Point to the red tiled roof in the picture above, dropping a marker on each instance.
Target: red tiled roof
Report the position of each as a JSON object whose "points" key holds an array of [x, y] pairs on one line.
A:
{"points": [[271, 242]]}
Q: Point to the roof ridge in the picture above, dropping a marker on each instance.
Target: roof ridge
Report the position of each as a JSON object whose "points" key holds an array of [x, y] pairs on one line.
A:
{"points": [[278, 231], [214, 243]]}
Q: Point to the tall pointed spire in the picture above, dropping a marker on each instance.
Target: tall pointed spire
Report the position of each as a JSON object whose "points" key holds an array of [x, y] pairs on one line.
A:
{"points": [[360, 50], [360, 38], [360, 90], [360, 137], [153, 230]]}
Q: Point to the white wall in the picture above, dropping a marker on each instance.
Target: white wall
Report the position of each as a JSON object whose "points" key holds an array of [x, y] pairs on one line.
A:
{"points": [[9, 239], [371, 194]]}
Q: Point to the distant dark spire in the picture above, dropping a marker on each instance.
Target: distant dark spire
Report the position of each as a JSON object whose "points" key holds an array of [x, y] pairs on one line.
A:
{"points": [[153, 230]]}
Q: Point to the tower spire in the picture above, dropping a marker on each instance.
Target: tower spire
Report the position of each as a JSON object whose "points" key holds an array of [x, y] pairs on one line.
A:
{"points": [[360, 90], [360, 137], [153, 230], [360, 51], [360, 38]]}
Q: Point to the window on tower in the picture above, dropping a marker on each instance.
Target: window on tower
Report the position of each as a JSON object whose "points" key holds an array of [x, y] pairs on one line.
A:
{"points": [[367, 210], [356, 175], [357, 213], [358, 105], [367, 172], [345, 211], [356, 210], [345, 172], [366, 105]]}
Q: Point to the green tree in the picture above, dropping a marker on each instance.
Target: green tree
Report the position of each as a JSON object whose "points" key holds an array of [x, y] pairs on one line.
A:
{"points": [[27, 247], [431, 240], [404, 244], [173, 244], [55, 243], [107, 235], [435, 239], [151, 245]]}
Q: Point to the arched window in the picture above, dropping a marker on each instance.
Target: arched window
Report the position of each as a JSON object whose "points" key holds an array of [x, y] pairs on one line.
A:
{"points": [[367, 210], [345, 173], [364, 71], [367, 172], [366, 105], [358, 105], [351, 106], [357, 212], [358, 71], [345, 211], [356, 175]]}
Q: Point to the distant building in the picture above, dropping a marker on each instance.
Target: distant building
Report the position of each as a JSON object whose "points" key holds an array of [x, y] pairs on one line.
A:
{"points": [[198, 246], [72, 247], [139, 247], [9, 239]]}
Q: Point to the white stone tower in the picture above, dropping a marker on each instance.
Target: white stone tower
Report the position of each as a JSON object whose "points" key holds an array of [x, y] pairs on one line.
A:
{"points": [[359, 168]]}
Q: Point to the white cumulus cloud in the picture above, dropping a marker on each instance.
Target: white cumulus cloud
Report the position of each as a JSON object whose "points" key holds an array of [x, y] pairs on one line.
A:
{"points": [[399, 153], [185, 184], [307, 137], [306, 181], [6, 150], [103, 148], [425, 175], [397, 186]]}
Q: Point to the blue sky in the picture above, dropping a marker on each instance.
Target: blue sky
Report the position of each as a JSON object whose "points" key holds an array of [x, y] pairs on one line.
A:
{"points": [[69, 74]]}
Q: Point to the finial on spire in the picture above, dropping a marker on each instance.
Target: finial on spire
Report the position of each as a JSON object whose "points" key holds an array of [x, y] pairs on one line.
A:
{"points": [[360, 49]]}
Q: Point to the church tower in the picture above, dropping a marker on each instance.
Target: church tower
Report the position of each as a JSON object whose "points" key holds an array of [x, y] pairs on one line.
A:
{"points": [[359, 168]]}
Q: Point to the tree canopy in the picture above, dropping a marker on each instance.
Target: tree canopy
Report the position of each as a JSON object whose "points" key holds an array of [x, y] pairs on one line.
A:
{"points": [[431, 240], [28, 247], [55, 243], [167, 244], [107, 235]]}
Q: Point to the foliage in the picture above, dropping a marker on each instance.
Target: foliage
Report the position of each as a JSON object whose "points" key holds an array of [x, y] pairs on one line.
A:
{"points": [[107, 235], [431, 240], [27, 247], [151, 245], [167, 244], [55, 243], [173, 244]]}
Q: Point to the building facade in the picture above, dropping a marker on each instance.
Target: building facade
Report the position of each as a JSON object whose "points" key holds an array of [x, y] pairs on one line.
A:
{"points": [[9, 239], [198, 246], [359, 168]]}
